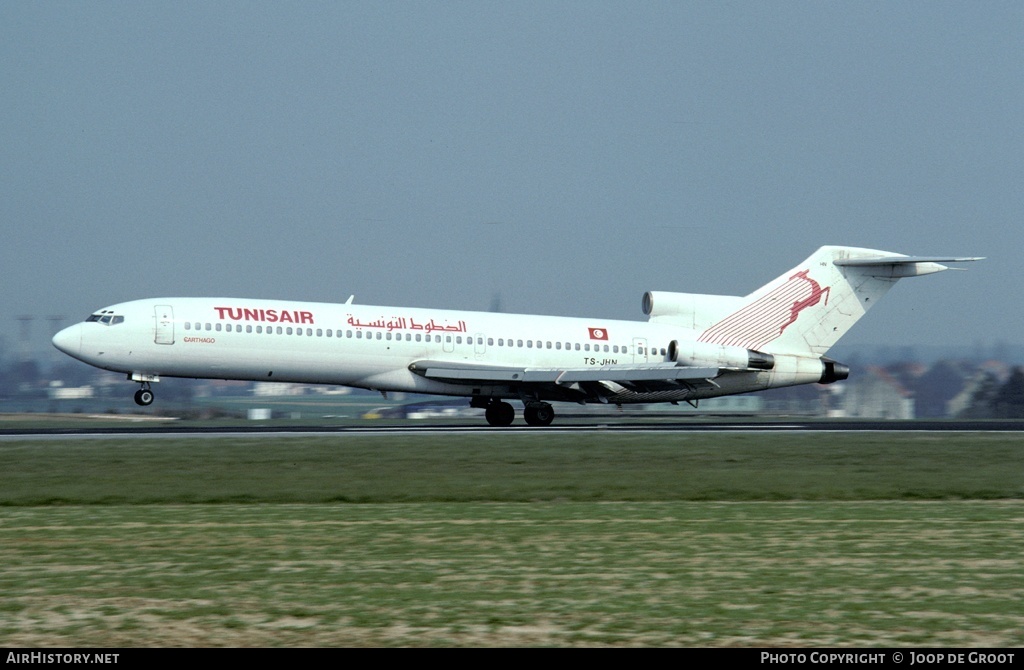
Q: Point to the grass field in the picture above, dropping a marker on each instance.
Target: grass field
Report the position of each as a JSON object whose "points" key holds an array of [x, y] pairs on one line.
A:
{"points": [[685, 539]]}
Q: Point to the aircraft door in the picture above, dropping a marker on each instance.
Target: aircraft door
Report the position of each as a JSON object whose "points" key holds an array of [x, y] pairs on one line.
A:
{"points": [[479, 345], [639, 350], [164, 324]]}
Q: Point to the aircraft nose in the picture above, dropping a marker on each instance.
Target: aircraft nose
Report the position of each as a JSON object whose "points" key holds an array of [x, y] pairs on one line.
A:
{"points": [[69, 340]]}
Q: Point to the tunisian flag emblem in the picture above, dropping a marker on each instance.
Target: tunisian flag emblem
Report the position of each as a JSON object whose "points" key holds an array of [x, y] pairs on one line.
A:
{"points": [[598, 333]]}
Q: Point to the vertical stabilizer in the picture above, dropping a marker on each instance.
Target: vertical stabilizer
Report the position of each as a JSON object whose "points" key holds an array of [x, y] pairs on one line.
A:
{"points": [[806, 310]]}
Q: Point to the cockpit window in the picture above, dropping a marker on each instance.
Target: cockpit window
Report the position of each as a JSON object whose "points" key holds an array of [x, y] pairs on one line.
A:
{"points": [[106, 317]]}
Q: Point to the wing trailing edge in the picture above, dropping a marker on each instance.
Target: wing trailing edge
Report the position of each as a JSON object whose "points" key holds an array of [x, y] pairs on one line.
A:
{"points": [[469, 372]]}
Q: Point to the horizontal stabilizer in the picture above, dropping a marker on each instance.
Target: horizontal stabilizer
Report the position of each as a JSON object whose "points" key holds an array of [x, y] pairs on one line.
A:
{"points": [[902, 260], [897, 267]]}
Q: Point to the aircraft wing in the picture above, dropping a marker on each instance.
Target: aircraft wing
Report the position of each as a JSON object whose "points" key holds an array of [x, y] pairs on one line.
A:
{"points": [[623, 374]]}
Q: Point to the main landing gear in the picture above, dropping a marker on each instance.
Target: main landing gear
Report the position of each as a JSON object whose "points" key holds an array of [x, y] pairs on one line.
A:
{"points": [[500, 413], [144, 396], [539, 414]]}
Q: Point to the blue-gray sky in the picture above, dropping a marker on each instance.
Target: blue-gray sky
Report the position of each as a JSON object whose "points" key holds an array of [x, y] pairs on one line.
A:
{"points": [[566, 156]]}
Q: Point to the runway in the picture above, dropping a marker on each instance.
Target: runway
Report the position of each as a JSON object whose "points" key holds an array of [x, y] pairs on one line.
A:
{"points": [[718, 426]]}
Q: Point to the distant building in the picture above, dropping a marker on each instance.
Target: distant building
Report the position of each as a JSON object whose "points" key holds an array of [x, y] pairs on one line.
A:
{"points": [[876, 394], [57, 391], [265, 389]]}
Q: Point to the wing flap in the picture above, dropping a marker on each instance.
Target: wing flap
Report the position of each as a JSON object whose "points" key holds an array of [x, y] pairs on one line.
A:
{"points": [[636, 374], [467, 372]]}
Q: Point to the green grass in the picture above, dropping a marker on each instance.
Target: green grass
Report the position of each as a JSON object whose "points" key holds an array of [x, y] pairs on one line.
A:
{"points": [[514, 468], [514, 540], [440, 574]]}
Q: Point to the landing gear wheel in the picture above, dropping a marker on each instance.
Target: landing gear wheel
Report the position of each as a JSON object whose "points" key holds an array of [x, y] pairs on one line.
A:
{"points": [[144, 397], [541, 414], [500, 414]]}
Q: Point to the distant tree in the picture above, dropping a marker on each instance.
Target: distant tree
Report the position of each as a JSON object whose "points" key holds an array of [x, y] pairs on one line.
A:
{"points": [[7, 385], [934, 389], [983, 399], [73, 373], [25, 372], [1010, 399], [177, 390]]}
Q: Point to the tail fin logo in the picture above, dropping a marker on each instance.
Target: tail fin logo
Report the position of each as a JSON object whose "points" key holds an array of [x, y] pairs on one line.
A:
{"points": [[810, 301], [765, 319]]}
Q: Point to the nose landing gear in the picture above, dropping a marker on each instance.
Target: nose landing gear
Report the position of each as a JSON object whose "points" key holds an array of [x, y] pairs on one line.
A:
{"points": [[144, 396]]}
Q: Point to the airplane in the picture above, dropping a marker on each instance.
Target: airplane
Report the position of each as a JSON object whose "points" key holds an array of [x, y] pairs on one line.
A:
{"points": [[692, 346]]}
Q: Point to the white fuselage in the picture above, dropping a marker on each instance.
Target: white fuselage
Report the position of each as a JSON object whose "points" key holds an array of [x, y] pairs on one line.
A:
{"points": [[694, 345], [373, 347]]}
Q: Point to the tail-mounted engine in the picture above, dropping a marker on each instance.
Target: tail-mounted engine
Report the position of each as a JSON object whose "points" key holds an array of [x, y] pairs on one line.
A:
{"points": [[704, 354], [833, 371], [785, 368]]}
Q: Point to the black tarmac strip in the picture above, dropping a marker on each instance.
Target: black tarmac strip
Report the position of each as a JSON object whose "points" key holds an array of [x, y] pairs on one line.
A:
{"points": [[800, 425]]}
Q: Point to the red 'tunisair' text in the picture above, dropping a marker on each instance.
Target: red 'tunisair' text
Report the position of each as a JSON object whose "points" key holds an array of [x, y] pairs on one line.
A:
{"points": [[267, 315]]}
